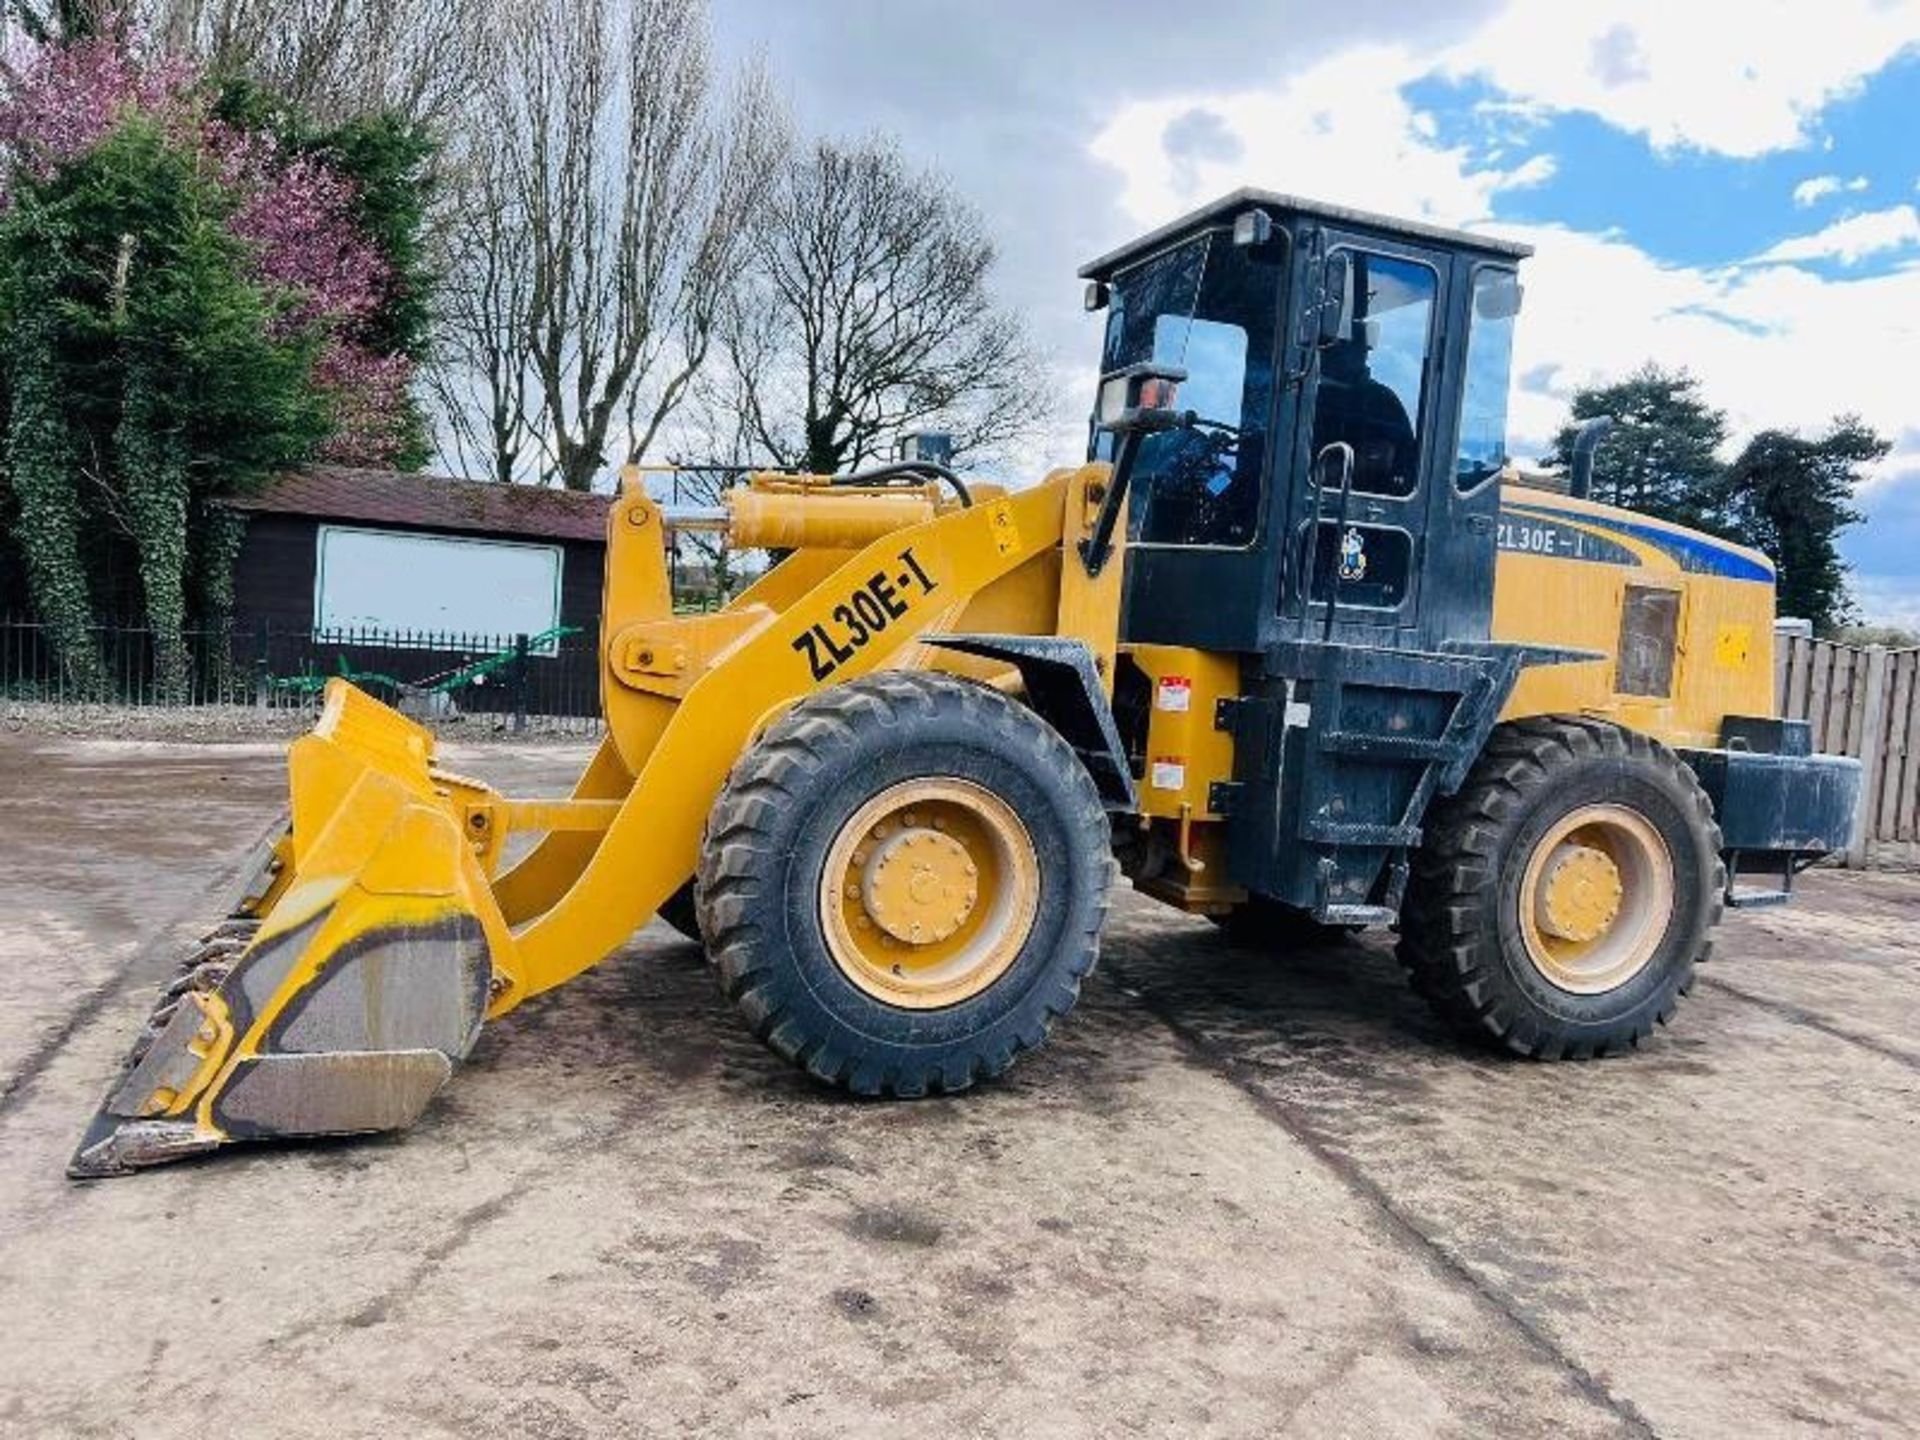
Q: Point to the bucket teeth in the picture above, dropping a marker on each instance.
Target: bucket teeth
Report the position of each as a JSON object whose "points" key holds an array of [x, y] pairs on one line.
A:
{"points": [[210, 961], [368, 1032], [351, 975], [119, 1147], [203, 977]]}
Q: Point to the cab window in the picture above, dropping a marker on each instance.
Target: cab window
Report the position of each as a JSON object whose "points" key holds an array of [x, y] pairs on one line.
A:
{"points": [[1483, 399], [1373, 380]]}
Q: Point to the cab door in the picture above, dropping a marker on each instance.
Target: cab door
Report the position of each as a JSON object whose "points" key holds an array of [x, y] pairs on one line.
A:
{"points": [[1376, 387]]}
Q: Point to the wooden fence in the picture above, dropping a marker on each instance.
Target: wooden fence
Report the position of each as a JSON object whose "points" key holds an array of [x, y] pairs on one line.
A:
{"points": [[1864, 702]]}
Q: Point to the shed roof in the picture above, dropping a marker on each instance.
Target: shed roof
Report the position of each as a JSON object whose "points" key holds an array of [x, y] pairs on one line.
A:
{"points": [[432, 502]]}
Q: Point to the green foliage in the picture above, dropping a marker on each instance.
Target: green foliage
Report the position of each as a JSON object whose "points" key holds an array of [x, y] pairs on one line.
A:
{"points": [[1791, 497], [42, 455], [216, 533], [1662, 452], [144, 373], [1785, 495], [185, 311], [54, 21]]}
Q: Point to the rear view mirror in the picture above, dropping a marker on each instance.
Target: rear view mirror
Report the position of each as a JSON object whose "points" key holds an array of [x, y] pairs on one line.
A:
{"points": [[1335, 300], [1252, 227], [1140, 398]]}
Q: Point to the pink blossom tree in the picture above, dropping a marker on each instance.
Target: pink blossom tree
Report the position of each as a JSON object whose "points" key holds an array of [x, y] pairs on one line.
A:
{"points": [[297, 216]]}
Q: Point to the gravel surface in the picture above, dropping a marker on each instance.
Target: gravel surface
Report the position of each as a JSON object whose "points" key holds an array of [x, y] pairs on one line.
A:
{"points": [[1239, 1193]]}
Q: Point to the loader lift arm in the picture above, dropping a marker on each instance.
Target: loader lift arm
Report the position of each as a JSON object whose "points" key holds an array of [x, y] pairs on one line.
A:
{"points": [[341, 998]]}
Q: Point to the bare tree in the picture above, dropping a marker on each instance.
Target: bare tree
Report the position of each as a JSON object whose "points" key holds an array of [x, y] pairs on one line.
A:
{"points": [[480, 372], [599, 230], [869, 313], [330, 58]]}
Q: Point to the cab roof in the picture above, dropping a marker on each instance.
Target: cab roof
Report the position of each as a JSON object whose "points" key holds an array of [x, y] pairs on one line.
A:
{"points": [[1222, 211]]}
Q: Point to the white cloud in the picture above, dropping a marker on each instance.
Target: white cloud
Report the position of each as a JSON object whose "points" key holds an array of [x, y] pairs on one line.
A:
{"points": [[1886, 599], [1853, 239], [1775, 345], [1775, 342], [1340, 131], [1812, 192], [1738, 80]]}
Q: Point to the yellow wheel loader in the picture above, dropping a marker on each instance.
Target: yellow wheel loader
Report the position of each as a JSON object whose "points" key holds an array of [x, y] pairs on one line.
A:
{"points": [[1296, 646]]}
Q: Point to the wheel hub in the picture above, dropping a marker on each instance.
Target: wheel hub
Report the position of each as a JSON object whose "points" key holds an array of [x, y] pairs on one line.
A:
{"points": [[928, 892], [1596, 898], [1579, 895], [919, 885]]}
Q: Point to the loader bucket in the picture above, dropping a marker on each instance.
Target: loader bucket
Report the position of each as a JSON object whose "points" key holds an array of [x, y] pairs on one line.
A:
{"points": [[352, 979]]}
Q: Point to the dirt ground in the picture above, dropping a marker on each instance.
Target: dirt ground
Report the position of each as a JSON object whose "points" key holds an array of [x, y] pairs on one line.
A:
{"points": [[1238, 1194]]}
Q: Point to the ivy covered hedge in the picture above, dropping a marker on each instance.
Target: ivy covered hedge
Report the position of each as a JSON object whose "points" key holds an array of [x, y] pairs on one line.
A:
{"points": [[197, 289]]}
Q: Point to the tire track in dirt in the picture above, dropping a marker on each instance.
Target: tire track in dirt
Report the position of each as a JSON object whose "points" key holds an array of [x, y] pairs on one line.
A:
{"points": [[1243, 1075]]}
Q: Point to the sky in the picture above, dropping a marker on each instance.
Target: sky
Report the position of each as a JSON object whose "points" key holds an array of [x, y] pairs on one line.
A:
{"points": [[1726, 185]]}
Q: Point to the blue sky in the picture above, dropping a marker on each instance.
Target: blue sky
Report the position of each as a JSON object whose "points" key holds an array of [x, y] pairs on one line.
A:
{"points": [[1697, 208], [1725, 186]]}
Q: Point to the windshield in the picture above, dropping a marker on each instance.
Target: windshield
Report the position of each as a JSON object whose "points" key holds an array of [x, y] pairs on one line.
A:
{"points": [[1211, 308], [1149, 301]]}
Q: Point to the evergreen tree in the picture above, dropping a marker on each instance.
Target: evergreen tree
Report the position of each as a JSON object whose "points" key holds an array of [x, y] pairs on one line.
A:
{"points": [[1791, 497], [145, 374], [1660, 458], [189, 302]]}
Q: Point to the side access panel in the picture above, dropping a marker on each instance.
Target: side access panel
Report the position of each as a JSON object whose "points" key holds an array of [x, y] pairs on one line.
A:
{"points": [[1341, 748]]}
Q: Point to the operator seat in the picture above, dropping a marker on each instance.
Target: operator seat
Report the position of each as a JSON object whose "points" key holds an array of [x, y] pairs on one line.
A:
{"points": [[1366, 414]]}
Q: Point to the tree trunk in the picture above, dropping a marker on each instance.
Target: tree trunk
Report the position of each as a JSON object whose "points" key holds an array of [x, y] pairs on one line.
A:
{"points": [[42, 468], [220, 532], [153, 477]]}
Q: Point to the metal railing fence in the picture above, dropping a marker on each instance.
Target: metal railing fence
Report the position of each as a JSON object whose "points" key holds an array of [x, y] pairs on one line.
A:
{"points": [[548, 682]]}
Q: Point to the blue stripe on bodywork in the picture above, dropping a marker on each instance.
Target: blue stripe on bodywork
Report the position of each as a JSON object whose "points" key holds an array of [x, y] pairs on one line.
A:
{"points": [[1697, 554]]}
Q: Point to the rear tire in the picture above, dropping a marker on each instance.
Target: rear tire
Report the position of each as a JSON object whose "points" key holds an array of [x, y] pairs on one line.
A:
{"points": [[903, 883], [1565, 894]]}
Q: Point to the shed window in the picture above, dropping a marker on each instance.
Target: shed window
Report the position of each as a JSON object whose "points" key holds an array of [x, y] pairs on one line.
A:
{"points": [[390, 580]]}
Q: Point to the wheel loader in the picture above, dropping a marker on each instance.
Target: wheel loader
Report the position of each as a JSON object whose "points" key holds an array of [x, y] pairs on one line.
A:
{"points": [[1297, 646]]}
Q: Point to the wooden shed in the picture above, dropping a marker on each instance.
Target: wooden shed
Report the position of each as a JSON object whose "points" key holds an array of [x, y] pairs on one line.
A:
{"points": [[330, 549]]}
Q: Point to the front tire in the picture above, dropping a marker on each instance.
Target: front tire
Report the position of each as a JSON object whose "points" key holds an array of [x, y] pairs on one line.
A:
{"points": [[1565, 894], [903, 883]]}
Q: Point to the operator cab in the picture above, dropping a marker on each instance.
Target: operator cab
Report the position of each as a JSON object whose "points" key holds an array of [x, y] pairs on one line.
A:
{"points": [[1337, 420]]}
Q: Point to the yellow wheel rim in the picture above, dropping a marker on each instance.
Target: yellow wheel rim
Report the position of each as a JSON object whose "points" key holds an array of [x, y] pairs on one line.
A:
{"points": [[928, 893], [1596, 898]]}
